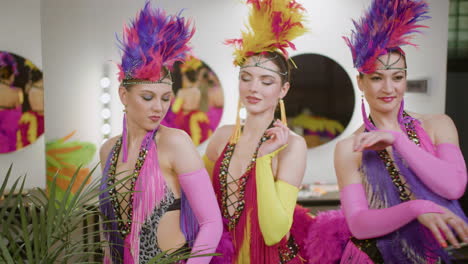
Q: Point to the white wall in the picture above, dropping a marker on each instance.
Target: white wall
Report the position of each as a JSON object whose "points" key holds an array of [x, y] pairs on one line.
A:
{"points": [[20, 31], [79, 38]]}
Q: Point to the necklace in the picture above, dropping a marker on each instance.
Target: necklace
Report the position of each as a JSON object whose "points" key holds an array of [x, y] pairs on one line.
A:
{"points": [[117, 198], [238, 203], [403, 189]]}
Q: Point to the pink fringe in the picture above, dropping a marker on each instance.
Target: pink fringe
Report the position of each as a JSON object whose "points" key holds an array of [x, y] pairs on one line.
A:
{"points": [[424, 139], [107, 260], [149, 191], [321, 239], [353, 255], [128, 258]]}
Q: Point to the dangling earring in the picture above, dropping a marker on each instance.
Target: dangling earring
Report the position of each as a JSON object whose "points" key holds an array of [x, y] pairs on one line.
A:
{"points": [[283, 112], [124, 137], [367, 123], [237, 128]]}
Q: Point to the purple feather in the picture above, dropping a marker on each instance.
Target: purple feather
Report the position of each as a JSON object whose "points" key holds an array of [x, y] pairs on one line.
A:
{"points": [[110, 223], [387, 25], [188, 221]]}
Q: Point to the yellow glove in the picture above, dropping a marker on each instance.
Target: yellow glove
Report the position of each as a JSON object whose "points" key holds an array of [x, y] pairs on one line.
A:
{"points": [[276, 201]]}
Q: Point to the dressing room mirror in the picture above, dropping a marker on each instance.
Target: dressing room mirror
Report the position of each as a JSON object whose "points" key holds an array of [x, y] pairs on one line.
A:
{"points": [[320, 103], [21, 102], [198, 104]]}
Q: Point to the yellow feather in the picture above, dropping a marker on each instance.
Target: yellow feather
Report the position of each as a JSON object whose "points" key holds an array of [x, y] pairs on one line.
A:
{"points": [[259, 35]]}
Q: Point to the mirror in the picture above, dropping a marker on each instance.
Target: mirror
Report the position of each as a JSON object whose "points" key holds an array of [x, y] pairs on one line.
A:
{"points": [[320, 103], [198, 104], [21, 102]]}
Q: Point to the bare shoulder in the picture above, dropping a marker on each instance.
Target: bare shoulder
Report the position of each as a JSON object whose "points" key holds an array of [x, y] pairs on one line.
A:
{"points": [[440, 127], [344, 151], [347, 162], [181, 153], [173, 138], [218, 140], [105, 149], [345, 145], [107, 146], [434, 120], [296, 143]]}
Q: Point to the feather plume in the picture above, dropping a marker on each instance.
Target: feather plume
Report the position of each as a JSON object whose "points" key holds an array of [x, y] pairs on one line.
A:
{"points": [[387, 25], [153, 41], [273, 24]]}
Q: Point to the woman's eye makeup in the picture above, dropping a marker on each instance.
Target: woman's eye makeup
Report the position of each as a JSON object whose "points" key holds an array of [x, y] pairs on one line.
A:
{"points": [[398, 77], [166, 98], [267, 81], [147, 97], [245, 77]]}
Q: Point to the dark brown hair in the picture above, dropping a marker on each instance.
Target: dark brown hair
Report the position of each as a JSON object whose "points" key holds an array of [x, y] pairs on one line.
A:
{"points": [[283, 64]]}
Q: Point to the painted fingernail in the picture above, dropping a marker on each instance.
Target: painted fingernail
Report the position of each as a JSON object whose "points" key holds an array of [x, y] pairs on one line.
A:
{"points": [[443, 244]]}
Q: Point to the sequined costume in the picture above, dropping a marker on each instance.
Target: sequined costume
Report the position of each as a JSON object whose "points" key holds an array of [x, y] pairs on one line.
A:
{"points": [[167, 202], [243, 240]]}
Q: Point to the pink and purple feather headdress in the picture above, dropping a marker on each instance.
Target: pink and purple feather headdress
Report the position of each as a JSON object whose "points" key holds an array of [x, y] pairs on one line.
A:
{"points": [[152, 43], [387, 25]]}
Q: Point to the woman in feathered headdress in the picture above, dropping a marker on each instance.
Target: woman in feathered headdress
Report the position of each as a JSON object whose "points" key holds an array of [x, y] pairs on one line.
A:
{"points": [[257, 168], [167, 202], [400, 173]]}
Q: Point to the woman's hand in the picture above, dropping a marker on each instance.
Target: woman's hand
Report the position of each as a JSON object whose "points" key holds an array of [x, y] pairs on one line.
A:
{"points": [[278, 135], [374, 140], [441, 226]]}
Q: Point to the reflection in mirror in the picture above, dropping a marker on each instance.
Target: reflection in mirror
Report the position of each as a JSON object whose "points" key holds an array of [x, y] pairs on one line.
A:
{"points": [[21, 102], [198, 103], [320, 102]]}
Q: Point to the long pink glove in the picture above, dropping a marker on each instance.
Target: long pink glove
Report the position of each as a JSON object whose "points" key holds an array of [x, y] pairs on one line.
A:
{"points": [[444, 174], [199, 191], [367, 223]]}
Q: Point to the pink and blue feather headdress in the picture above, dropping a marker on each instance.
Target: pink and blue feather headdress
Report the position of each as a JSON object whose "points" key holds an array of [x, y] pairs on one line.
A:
{"points": [[387, 25], [151, 44]]}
